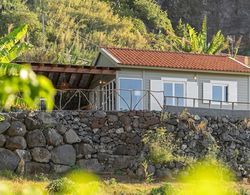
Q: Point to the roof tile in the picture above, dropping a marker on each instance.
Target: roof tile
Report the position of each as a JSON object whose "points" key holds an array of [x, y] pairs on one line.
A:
{"points": [[177, 60]]}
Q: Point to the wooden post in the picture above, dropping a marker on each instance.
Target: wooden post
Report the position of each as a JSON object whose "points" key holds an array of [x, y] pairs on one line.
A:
{"points": [[131, 99], [60, 101], [79, 100]]}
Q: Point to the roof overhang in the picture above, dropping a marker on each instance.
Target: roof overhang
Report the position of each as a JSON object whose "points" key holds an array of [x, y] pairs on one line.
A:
{"points": [[75, 76], [181, 70]]}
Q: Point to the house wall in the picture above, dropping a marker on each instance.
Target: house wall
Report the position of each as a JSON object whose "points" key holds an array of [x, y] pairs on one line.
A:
{"points": [[147, 75], [104, 61]]}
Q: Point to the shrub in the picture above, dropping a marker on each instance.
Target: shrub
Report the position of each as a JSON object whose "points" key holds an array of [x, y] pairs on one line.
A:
{"points": [[148, 176], [243, 191], [166, 189], [111, 181], [161, 147], [62, 185]]}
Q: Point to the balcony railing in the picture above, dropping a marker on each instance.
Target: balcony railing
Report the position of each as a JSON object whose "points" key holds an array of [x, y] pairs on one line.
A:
{"points": [[111, 100]]}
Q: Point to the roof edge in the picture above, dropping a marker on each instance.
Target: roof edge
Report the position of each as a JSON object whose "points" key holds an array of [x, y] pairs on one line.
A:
{"points": [[110, 55], [183, 70], [163, 51], [241, 63]]}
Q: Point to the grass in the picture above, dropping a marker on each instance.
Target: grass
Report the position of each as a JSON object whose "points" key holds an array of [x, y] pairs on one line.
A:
{"points": [[107, 186]]}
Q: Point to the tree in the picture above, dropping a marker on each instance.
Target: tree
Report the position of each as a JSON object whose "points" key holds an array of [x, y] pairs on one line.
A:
{"points": [[19, 84], [187, 39]]}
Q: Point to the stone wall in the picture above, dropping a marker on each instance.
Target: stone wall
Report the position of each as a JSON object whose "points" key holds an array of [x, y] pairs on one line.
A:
{"points": [[112, 142]]}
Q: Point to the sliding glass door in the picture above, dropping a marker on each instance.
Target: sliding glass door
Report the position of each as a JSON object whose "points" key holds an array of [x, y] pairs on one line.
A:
{"points": [[130, 94]]}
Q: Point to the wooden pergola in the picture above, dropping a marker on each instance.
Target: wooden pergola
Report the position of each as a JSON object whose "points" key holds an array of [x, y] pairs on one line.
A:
{"points": [[75, 76]]}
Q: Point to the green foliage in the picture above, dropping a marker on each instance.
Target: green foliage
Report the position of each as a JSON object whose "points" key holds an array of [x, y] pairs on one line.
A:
{"points": [[62, 185], [189, 40], [160, 144], [165, 189], [148, 176], [2, 118], [19, 84], [74, 30], [111, 182], [7, 174], [243, 191]]}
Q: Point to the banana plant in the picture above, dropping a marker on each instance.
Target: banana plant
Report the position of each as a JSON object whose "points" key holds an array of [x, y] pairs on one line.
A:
{"points": [[19, 84], [187, 39]]}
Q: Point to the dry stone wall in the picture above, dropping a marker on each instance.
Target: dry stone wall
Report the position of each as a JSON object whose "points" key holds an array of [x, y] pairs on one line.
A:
{"points": [[39, 142]]}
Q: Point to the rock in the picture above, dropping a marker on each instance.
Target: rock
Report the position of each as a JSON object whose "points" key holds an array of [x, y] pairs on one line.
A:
{"points": [[151, 169], [100, 114], [46, 119], [23, 155], [98, 123], [4, 126], [121, 162], [61, 128], [64, 154], [8, 160], [2, 140], [112, 118], [16, 142], [105, 139], [140, 172], [61, 168], [53, 138], [121, 150], [95, 130], [17, 128], [125, 120], [197, 117], [90, 164], [225, 120], [84, 149], [164, 173], [33, 168], [226, 137], [35, 139], [128, 128], [31, 124], [170, 128], [136, 123], [119, 131], [40, 155], [71, 137]]}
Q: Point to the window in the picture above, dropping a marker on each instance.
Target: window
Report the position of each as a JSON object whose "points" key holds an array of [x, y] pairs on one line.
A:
{"points": [[220, 93], [174, 90], [130, 96]]}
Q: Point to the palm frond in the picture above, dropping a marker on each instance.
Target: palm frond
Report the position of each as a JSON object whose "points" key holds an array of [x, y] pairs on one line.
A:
{"points": [[7, 42], [14, 52], [203, 35], [10, 69], [217, 44]]}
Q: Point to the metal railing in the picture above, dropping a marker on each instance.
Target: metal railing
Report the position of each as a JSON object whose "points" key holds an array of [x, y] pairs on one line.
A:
{"points": [[122, 99], [205, 103]]}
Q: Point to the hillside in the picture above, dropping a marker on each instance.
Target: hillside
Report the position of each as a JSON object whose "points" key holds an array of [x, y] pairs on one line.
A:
{"points": [[231, 16], [70, 32]]}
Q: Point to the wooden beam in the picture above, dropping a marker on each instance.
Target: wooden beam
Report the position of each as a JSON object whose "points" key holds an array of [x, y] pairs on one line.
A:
{"points": [[73, 70]]}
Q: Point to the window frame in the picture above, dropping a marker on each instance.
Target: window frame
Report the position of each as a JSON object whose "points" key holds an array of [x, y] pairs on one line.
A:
{"points": [[119, 83], [224, 86], [173, 82]]}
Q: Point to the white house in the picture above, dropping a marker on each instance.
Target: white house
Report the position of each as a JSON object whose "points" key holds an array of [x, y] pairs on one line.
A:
{"points": [[148, 80]]}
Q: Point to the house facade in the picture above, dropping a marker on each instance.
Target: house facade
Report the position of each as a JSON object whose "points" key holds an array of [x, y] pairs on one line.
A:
{"points": [[150, 80]]}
